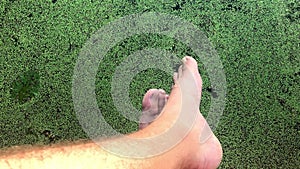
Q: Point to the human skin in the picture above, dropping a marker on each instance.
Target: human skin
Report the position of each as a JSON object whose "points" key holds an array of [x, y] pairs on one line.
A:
{"points": [[189, 153], [153, 102]]}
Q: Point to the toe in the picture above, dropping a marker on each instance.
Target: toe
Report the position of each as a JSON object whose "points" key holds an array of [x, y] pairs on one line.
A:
{"points": [[180, 71], [161, 102], [146, 104], [175, 77], [153, 103], [190, 62], [162, 91]]}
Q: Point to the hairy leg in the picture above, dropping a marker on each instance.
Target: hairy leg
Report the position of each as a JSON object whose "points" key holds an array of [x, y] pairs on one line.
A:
{"points": [[191, 152]]}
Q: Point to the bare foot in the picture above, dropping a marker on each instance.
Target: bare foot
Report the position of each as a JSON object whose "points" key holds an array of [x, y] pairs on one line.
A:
{"points": [[201, 147], [153, 102], [207, 148]]}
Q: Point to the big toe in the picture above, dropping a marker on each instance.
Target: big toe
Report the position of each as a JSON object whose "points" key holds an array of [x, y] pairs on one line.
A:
{"points": [[191, 63]]}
